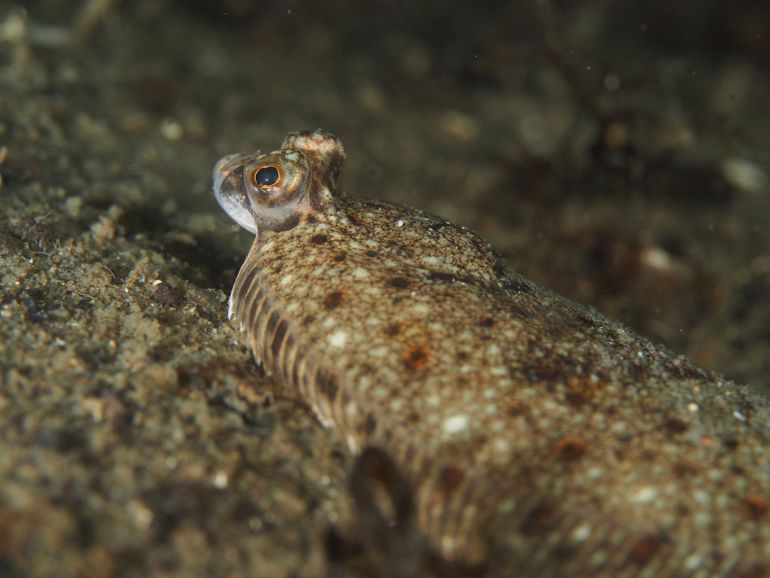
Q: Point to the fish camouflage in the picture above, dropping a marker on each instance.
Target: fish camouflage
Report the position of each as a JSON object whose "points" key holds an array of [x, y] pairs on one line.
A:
{"points": [[536, 435]]}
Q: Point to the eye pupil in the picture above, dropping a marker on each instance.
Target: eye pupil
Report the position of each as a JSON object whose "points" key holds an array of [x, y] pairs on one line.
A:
{"points": [[267, 176]]}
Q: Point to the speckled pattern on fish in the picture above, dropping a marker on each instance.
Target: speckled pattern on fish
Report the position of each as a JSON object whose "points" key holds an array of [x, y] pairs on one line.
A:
{"points": [[536, 433]]}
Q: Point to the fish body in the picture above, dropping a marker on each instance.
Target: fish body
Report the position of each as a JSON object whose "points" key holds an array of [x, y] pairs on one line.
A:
{"points": [[538, 435]]}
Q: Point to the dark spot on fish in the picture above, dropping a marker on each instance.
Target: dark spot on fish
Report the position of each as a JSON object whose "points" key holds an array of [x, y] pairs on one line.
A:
{"points": [[319, 239], [462, 355], [398, 282], [368, 368], [730, 443], [416, 357], [327, 385], [539, 518], [517, 408], [334, 299], [646, 548], [339, 548], [307, 320], [380, 491], [624, 438], [339, 257], [392, 329], [310, 219], [278, 336], [487, 322], [450, 478], [675, 425], [442, 277], [272, 321], [570, 449], [371, 253], [683, 470]]}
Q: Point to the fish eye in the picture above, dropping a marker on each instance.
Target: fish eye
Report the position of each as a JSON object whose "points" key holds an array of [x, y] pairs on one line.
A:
{"points": [[266, 176]]}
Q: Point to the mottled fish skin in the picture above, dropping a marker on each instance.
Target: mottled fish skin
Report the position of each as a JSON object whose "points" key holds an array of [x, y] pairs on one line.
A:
{"points": [[537, 434]]}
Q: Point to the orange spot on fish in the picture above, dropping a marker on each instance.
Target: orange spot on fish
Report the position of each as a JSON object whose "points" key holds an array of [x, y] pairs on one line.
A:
{"points": [[570, 449], [416, 357], [754, 507]]}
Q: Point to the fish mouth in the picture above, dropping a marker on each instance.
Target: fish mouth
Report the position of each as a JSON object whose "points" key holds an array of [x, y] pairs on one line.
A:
{"points": [[233, 200], [223, 168]]}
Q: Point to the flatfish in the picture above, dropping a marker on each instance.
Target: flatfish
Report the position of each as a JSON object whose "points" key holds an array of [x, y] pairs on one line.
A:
{"points": [[533, 431]]}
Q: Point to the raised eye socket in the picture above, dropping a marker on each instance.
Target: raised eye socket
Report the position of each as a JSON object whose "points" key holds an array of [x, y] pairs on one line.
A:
{"points": [[266, 176]]}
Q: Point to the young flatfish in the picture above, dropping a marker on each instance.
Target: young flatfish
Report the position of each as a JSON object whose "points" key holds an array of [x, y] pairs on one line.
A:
{"points": [[533, 431]]}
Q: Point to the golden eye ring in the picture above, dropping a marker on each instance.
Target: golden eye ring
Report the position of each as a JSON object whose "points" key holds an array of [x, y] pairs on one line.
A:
{"points": [[266, 176]]}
